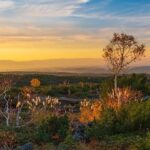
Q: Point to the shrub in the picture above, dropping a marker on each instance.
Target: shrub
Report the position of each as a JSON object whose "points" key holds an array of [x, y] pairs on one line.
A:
{"points": [[146, 145], [7, 138], [25, 134], [136, 116], [104, 126], [53, 129], [68, 143], [122, 97], [35, 83], [90, 111], [132, 117]]}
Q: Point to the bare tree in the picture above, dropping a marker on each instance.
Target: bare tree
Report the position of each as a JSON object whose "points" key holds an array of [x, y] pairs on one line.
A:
{"points": [[23, 97], [122, 50], [5, 86]]}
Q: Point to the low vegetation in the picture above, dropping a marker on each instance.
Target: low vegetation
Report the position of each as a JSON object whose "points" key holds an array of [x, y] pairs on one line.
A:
{"points": [[108, 121]]}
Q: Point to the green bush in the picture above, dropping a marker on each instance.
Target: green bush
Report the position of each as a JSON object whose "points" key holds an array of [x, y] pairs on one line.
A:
{"points": [[53, 129], [68, 143], [147, 142], [133, 117], [136, 116], [25, 134], [105, 126]]}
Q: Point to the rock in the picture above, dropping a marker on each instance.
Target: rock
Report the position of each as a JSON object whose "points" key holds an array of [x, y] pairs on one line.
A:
{"points": [[28, 146]]}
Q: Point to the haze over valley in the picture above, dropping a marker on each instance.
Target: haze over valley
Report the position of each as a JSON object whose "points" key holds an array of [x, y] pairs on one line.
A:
{"points": [[82, 65]]}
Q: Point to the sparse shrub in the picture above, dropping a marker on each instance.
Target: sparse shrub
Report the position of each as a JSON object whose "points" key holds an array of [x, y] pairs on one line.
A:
{"points": [[38, 116], [26, 91], [7, 138], [25, 134]]}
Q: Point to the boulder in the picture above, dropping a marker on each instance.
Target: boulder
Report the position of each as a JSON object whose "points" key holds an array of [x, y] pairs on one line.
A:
{"points": [[27, 146]]}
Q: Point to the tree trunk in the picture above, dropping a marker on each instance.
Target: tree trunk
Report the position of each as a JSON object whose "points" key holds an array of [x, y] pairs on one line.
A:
{"points": [[7, 113], [7, 121], [116, 89], [18, 118], [116, 83]]}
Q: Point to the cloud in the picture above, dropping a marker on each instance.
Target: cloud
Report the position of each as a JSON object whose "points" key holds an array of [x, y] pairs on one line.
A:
{"points": [[64, 19], [83, 1], [51, 8], [6, 4]]}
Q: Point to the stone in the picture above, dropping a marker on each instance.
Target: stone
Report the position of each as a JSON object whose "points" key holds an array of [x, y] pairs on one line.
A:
{"points": [[28, 146]]}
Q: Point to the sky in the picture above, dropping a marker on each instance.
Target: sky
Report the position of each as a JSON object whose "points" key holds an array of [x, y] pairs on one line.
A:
{"points": [[49, 29]]}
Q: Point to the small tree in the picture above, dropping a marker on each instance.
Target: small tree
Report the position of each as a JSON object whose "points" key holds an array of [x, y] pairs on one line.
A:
{"points": [[122, 50], [35, 83]]}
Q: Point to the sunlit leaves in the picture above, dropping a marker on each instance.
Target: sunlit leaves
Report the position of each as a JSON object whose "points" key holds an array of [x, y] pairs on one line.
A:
{"points": [[35, 83], [122, 97], [122, 50], [90, 110]]}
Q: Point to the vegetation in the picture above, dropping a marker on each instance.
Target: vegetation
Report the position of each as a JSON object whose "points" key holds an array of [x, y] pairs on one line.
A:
{"points": [[35, 83], [45, 112], [122, 50], [102, 122]]}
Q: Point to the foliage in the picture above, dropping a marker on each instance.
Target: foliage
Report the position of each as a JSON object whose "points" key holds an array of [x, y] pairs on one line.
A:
{"points": [[7, 138], [26, 91], [122, 50], [38, 116], [68, 143], [136, 82], [35, 83], [130, 118], [105, 123], [122, 97], [36, 104], [90, 110], [53, 129], [25, 134]]}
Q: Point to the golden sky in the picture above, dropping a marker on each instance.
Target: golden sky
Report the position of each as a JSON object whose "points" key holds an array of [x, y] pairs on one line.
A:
{"points": [[23, 50], [40, 50]]}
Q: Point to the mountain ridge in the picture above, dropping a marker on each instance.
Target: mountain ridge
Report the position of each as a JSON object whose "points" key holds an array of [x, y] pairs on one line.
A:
{"points": [[80, 65]]}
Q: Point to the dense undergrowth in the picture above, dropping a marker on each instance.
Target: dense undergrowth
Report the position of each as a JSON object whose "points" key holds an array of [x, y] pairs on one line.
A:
{"points": [[127, 128]]}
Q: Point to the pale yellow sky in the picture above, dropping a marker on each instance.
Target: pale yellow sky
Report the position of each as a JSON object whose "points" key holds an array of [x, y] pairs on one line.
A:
{"points": [[40, 50], [33, 50], [44, 49]]}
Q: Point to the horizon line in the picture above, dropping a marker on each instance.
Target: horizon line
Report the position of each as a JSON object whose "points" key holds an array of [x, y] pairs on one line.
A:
{"points": [[48, 59]]}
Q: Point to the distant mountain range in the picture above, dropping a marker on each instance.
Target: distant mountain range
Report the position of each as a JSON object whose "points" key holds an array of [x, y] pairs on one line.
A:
{"points": [[80, 66]]}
